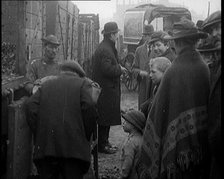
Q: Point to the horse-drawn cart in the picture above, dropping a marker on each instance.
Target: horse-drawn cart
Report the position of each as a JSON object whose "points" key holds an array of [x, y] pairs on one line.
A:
{"points": [[160, 16]]}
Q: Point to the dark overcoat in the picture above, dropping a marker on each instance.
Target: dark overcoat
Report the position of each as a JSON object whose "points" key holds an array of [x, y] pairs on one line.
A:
{"points": [[214, 120], [107, 72], [141, 63], [56, 117]]}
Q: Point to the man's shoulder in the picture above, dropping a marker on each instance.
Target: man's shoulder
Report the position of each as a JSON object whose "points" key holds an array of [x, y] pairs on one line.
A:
{"points": [[104, 48], [140, 47]]}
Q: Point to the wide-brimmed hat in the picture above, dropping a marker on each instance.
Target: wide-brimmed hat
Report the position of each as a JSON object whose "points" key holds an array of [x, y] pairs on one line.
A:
{"points": [[209, 45], [73, 66], [136, 118], [158, 35], [110, 27], [211, 20], [185, 29], [148, 29], [52, 39]]}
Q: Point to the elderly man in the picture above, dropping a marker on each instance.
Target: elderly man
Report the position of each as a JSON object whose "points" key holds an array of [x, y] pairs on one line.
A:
{"points": [[140, 65], [107, 72], [43, 66], [158, 66], [60, 131], [212, 25], [176, 127]]}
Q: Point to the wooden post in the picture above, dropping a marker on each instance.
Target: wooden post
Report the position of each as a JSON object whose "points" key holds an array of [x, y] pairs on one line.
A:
{"points": [[21, 39]]}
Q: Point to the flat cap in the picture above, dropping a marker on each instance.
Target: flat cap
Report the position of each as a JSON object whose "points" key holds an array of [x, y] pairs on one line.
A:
{"points": [[73, 66], [158, 35], [52, 39], [136, 118]]}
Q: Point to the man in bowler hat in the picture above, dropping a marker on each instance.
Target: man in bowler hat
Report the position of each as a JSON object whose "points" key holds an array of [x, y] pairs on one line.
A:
{"points": [[43, 66], [175, 144], [140, 65], [107, 72], [61, 132]]}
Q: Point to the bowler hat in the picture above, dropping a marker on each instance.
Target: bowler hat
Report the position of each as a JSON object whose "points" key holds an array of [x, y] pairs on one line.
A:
{"points": [[72, 66], [185, 29], [158, 35], [110, 27], [209, 45], [52, 39], [211, 20], [136, 118], [148, 29]]}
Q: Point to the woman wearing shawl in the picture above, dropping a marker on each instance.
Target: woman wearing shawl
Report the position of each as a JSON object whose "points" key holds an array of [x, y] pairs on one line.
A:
{"points": [[175, 136]]}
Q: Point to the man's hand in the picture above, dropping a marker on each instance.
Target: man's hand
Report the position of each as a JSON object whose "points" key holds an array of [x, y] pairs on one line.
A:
{"points": [[123, 69]]}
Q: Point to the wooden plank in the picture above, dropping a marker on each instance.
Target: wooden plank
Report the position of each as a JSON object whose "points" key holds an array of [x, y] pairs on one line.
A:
{"points": [[33, 7], [70, 7], [33, 21], [33, 36], [13, 3], [20, 146], [36, 50], [21, 42], [51, 11]]}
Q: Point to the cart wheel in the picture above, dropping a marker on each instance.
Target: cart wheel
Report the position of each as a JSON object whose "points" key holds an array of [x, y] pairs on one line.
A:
{"points": [[129, 60], [131, 82], [130, 79]]}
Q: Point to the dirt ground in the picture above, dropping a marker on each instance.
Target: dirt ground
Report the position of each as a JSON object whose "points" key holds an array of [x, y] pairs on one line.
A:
{"points": [[109, 164]]}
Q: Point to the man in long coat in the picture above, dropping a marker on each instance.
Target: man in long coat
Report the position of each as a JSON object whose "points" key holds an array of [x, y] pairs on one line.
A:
{"points": [[212, 25], [54, 113], [140, 65], [107, 72], [175, 138]]}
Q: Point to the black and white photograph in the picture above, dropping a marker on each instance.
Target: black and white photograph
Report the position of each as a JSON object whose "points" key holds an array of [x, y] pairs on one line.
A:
{"points": [[111, 89]]}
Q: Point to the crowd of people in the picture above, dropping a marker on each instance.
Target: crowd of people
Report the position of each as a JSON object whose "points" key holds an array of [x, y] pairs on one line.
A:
{"points": [[174, 134]]}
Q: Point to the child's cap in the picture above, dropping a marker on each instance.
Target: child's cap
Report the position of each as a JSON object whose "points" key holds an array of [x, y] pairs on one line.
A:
{"points": [[136, 118]]}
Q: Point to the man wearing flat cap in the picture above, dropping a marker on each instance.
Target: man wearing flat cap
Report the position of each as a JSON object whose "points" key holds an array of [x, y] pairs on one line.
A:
{"points": [[44, 66], [161, 46], [107, 72], [140, 65], [61, 131], [177, 121], [212, 25]]}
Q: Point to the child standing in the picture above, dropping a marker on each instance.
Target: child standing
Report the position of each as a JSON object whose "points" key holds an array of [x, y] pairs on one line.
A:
{"points": [[134, 123]]}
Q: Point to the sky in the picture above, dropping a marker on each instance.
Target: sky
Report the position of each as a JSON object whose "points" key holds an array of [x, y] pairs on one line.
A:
{"points": [[106, 8]]}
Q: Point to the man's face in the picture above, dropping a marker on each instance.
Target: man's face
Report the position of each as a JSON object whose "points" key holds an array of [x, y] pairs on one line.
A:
{"points": [[155, 74], [51, 51], [216, 31], [159, 48], [114, 37]]}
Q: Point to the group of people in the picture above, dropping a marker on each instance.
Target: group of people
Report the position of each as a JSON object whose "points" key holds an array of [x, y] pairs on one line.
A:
{"points": [[175, 133]]}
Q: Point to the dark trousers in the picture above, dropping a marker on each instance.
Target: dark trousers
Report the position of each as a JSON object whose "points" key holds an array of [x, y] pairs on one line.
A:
{"points": [[58, 168], [103, 135]]}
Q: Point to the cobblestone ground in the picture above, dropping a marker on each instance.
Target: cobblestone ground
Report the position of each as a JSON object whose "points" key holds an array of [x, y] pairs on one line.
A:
{"points": [[109, 164]]}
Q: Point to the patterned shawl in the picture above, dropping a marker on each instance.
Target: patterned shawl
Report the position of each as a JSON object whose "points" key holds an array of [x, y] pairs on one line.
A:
{"points": [[176, 128]]}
